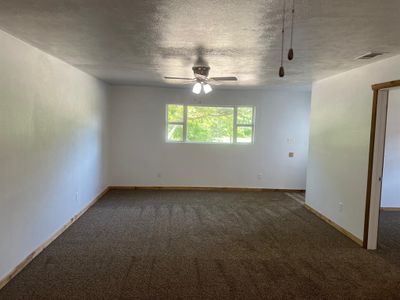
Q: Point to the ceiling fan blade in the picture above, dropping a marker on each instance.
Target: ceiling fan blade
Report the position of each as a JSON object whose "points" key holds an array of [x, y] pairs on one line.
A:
{"points": [[179, 78], [224, 78]]}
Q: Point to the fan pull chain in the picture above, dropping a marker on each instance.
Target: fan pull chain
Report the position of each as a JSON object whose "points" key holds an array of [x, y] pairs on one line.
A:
{"points": [[291, 52], [281, 69]]}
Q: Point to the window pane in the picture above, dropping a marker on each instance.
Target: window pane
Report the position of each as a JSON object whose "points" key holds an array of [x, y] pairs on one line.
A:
{"points": [[245, 115], [210, 124], [175, 133], [175, 113], [244, 134]]}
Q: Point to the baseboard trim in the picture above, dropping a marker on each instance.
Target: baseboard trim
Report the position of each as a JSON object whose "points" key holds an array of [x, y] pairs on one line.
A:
{"points": [[204, 188], [334, 225], [390, 208], [6, 279]]}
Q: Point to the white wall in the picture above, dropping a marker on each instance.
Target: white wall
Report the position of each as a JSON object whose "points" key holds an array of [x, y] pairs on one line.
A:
{"points": [[52, 131], [391, 170], [139, 151], [339, 142]]}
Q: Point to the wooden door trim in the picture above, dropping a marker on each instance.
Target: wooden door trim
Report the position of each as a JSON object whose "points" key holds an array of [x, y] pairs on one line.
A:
{"points": [[386, 85], [376, 88]]}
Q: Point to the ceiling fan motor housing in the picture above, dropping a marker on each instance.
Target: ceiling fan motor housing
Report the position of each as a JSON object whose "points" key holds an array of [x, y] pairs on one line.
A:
{"points": [[201, 70]]}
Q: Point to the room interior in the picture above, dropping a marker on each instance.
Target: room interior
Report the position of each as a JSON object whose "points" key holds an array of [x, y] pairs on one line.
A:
{"points": [[211, 150], [390, 186], [388, 236]]}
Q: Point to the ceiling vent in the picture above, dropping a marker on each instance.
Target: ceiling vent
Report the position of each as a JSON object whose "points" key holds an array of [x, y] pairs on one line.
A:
{"points": [[369, 55]]}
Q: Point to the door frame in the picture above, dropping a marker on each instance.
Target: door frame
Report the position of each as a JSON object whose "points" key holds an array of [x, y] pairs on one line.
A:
{"points": [[375, 153]]}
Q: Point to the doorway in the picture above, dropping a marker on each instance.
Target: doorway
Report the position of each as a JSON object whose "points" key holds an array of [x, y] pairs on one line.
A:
{"points": [[389, 217], [382, 218]]}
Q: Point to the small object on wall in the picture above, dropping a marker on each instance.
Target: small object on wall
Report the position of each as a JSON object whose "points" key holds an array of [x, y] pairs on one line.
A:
{"points": [[291, 140], [291, 154]]}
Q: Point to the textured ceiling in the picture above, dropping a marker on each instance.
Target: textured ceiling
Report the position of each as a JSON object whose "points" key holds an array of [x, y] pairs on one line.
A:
{"points": [[139, 42]]}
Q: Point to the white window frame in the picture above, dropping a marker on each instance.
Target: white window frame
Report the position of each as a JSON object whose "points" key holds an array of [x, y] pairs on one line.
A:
{"points": [[235, 124]]}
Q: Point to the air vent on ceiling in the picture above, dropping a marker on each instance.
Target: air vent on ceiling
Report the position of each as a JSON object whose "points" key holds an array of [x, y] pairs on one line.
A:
{"points": [[369, 55]]}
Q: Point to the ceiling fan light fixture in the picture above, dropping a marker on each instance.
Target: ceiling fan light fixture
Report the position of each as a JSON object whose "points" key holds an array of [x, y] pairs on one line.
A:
{"points": [[201, 79], [207, 88], [197, 88]]}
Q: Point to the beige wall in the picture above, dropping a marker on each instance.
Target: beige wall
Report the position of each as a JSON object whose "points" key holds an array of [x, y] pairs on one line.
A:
{"points": [[140, 155], [52, 132], [339, 142]]}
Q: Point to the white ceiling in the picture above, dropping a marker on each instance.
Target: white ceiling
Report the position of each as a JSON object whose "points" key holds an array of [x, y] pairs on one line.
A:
{"points": [[139, 42]]}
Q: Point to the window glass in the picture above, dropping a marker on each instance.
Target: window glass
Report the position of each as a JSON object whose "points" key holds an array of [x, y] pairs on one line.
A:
{"points": [[244, 115], [244, 134], [210, 124], [175, 133], [207, 124], [175, 113]]}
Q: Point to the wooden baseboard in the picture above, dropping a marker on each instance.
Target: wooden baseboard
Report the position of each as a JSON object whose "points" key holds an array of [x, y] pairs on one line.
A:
{"points": [[334, 225], [30, 257], [390, 208], [204, 188]]}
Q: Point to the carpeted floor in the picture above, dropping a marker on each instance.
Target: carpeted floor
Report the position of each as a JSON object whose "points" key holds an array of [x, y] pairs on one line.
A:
{"points": [[389, 236], [204, 245]]}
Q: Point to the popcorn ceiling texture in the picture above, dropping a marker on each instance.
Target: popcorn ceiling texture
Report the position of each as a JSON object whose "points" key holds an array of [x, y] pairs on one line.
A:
{"points": [[141, 41]]}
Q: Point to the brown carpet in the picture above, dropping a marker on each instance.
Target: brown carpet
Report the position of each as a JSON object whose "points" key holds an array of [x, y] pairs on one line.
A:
{"points": [[204, 245], [389, 236]]}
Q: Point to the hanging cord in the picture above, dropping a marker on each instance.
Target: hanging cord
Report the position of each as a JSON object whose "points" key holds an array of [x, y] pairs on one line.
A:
{"points": [[291, 52], [281, 69]]}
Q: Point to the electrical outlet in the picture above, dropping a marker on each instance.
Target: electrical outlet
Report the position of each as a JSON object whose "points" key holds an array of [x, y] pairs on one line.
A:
{"points": [[77, 197], [159, 175], [259, 176], [341, 206]]}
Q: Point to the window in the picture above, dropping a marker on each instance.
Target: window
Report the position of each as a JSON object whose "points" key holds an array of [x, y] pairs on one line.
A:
{"points": [[210, 124]]}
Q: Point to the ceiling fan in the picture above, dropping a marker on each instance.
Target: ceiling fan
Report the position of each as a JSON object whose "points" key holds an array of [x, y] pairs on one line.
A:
{"points": [[201, 79]]}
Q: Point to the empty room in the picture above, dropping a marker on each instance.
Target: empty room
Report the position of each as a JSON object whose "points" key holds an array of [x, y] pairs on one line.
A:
{"points": [[168, 149]]}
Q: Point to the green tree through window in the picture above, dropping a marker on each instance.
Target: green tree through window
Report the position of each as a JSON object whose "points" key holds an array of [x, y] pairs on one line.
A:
{"points": [[210, 124]]}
